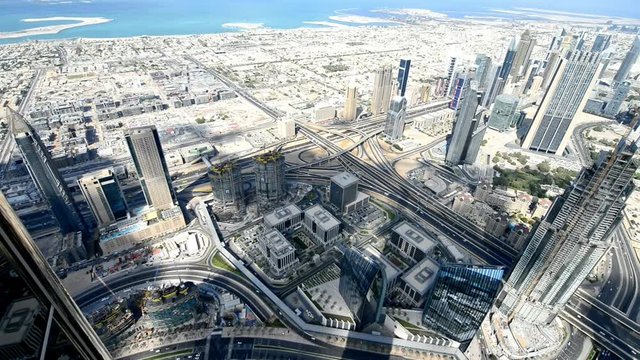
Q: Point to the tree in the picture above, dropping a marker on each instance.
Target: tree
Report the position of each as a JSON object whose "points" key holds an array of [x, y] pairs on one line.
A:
{"points": [[544, 166], [200, 120]]}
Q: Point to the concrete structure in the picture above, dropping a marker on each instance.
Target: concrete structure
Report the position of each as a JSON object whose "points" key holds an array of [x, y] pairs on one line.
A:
{"points": [[285, 219], [148, 158], [466, 139], [270, 177], [619, 96], [394, 127], [629, 60], [382, 90], [571, 239], [552, 124], [343, 190], [104, 197], [416, 283], [522, 56], [483, 68], [45, 175], [22, 329], [601, 43], [410, 242], [154, 224], [503, 112], [350, 103], [321, 226], [280, 254], [403, 76], [226, 181], [435, 123], [497, 225], [287, 129], [451, 72], [361, 201], [324, 112]]}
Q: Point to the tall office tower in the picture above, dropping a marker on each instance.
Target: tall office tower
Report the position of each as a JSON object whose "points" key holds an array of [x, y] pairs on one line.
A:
{"points": [[494, 86], [628, 62], [363, 287], [461, 84], [343, 190], [503, 112], [46, 176], [451, 71], [382, 90], [460, 300], [394, 127], [466, 139], [270, 179], [567, 94], [483, 69], [39, 319], [509, 58], [572, 238], [287, 129], [523, 54], [619, 96], [153, 173], [601, 43], [226, 182], [350, 103], [104, 197], [403, 76]]}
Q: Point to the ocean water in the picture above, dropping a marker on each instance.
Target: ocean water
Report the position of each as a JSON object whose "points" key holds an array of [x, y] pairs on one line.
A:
{"points": [[181, 17]]}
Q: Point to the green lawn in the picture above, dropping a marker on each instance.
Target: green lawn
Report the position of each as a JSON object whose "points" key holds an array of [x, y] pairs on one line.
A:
{"points": [[530, 180], [221, 263], [407, 324]]}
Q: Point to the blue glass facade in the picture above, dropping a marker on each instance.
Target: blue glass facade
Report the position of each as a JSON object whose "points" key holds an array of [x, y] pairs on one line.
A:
{"points": [[403, 76], [362, 286]]}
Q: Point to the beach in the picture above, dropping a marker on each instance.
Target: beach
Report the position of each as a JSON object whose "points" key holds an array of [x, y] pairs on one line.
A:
{"points": [[53, 29]]}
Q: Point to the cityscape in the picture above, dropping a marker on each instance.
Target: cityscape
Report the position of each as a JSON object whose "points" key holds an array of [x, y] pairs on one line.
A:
{"points": [[396, 184]]}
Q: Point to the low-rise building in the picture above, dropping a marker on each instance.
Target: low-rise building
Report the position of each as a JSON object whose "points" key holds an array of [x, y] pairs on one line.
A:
{"points": [[321, 226], [278, 251], [22, 329], [410, 242], [415, 283], [284, 219]]}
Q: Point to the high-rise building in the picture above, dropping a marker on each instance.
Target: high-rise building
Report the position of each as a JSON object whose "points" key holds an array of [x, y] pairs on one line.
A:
{"points": [[628, 62], [601, 43], [270, 179], [483, 68], [503, 112], [343, 190], [362, 285], [619, 96], [466, 139], [45, 175], [382, 90], [226, 183], [572, 238], [153, 173], [350, 103], [104, 197], [461, 83], [451, 74], [460, 300], [509, 57], [394, 127], [403, 76], [567, 94], [35, 307], [494, 86], [287, 129], [522, 56]]}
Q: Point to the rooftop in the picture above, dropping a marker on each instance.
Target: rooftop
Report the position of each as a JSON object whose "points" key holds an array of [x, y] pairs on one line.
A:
{"points": [[390, 270], [321, 217], [222, 167], [277, 243], [415, 236], [17, 320], [269, 156], [281, 214], [345, 179], [422, 276]]}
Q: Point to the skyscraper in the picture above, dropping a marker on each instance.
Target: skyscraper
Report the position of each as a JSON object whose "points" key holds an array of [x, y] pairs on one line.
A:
{"points": [[270, 179], [382, 89], [619, 96], [461, 83], [572, 238], [509, 57], [483, 69], [350, 103], [451, 74], [226, 181], [403, 76], [494, 86], [522, 56], [628, 62], [44, 173], [601, 43], [460, 299], [503, 112], [467, 135], [394, 127], [35, 303], [567, 94], [104, 197], [343, 190], [153, 173]]}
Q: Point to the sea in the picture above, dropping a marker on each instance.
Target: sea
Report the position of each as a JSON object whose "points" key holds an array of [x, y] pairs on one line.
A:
{"points": [[183, 17]]}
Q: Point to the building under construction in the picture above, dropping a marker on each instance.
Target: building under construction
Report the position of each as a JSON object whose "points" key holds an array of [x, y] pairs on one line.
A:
{"points": [[270, 180]]}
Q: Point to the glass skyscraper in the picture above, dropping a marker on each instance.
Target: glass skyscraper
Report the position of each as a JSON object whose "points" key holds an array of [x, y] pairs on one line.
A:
{"points": [[628, 62], [503, 113], [104, 197], [460, 299], [403, 76]]}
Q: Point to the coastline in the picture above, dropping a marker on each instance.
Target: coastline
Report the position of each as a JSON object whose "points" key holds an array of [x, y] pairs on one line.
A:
{"points": [[52, 29]]}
